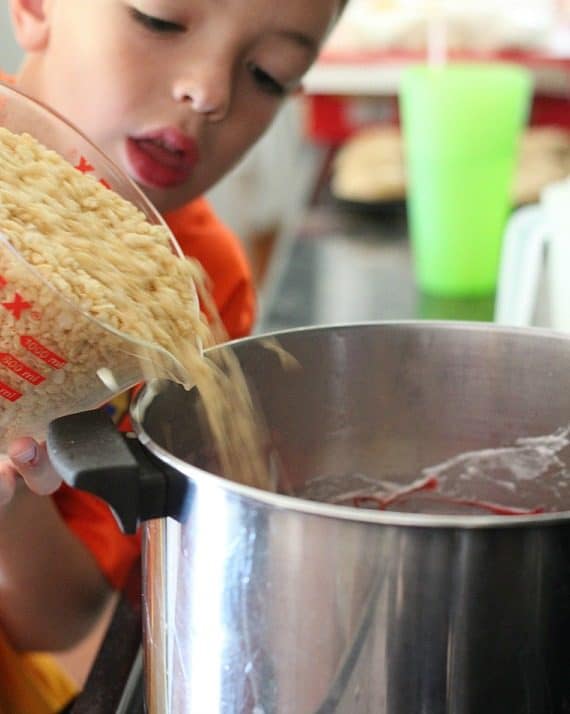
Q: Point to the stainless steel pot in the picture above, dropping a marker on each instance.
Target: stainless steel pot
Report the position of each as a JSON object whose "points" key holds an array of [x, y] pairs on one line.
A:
{"points": [[264, 603]]}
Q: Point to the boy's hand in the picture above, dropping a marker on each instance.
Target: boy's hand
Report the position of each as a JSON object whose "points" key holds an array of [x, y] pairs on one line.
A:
{"points": [[29, 460]]}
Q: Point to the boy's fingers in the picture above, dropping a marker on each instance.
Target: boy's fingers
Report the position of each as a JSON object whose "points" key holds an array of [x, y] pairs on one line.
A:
{"points": [[8, 478], [32, 462]]}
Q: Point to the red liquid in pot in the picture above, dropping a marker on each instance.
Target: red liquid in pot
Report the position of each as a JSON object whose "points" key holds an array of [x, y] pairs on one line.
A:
{"points": [[529, 477], [431, 484]]}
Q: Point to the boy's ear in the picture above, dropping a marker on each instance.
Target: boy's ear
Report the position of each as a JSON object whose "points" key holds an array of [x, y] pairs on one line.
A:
{"points": [[30, 22]]}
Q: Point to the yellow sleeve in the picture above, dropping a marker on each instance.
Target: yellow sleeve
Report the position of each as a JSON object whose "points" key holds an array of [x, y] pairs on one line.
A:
{"points": [[32, 683]]}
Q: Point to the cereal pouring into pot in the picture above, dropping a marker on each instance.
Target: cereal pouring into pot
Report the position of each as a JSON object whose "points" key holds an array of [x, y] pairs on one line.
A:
{"points": [[96, 298]]}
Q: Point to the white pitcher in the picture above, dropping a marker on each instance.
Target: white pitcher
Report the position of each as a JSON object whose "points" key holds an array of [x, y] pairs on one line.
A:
{"points": [[537, 238]]}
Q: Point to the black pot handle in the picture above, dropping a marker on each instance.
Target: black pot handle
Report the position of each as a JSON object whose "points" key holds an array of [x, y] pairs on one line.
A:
{"points": [[90, 454]]}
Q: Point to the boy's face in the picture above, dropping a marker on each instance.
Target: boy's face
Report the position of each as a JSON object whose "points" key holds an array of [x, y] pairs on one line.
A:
{"points": [[175, 91]]}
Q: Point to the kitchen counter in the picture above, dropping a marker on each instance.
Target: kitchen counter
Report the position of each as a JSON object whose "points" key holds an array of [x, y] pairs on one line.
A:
{"points": [[345, 265]]}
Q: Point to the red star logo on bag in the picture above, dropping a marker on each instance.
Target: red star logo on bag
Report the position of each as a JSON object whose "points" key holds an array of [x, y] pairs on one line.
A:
{"points": [[17, 306]]}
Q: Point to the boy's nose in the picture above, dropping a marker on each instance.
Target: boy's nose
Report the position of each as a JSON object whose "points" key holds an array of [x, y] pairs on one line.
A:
{"points": [[209, 95]]}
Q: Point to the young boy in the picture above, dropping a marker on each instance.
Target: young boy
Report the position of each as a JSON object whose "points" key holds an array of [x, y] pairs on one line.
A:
{"points": [[174, 91]]}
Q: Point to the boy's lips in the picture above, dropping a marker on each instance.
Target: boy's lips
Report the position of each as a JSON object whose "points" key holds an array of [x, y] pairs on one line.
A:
{"points": [[162, 158]]}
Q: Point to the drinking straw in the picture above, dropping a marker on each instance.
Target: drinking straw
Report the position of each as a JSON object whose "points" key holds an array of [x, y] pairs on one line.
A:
{"points": [[436, 34]]}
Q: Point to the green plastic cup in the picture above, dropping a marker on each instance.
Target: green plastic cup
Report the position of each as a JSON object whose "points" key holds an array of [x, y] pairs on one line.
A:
{"points": [[461, 127]]}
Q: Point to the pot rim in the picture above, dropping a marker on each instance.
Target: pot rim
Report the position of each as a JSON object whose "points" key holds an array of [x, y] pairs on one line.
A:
{"points": [[205, 479]]}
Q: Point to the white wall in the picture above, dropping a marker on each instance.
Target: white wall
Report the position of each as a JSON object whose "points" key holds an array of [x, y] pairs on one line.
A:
{"points": [[10, 54]]}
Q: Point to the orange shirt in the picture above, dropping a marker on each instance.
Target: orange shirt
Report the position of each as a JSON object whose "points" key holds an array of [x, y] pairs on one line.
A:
{"points": [[202, 236]]}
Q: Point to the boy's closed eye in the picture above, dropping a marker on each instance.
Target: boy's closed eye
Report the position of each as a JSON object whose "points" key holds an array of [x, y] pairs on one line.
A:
{"points": [[265, 81], [156, 24], [262, 79]]}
